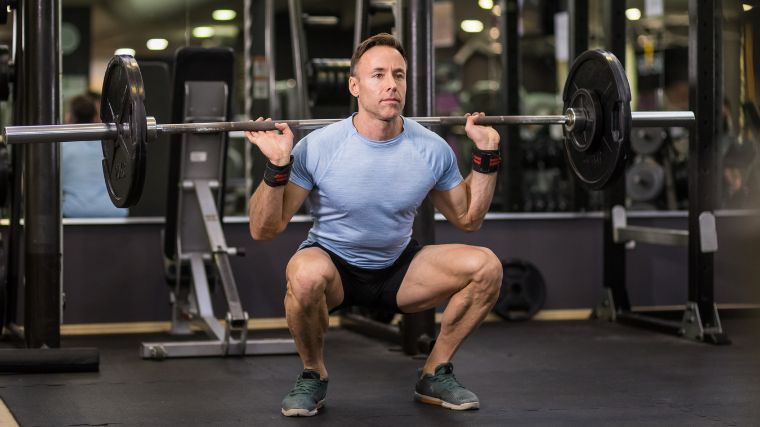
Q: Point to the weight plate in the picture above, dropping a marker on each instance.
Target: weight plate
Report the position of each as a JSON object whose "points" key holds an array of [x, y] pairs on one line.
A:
{"points": [[5, 177], [523, 291], [122, 102], [598, 161], [644, 180], [6, 72], [647, 140]]}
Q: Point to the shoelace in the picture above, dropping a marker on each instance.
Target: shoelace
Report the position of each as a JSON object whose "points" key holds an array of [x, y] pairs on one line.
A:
{"points": [[448, 380], [304, 387]]}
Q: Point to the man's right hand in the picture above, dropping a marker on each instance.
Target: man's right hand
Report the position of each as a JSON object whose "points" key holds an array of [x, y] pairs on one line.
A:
{"points": [[275, 146]]}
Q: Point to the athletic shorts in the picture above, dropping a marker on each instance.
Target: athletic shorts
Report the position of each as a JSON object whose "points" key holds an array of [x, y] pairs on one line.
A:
{"points": [[373, 288]]}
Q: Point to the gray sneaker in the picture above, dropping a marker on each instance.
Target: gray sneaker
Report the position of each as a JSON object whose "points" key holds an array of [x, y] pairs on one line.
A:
{"points": [[443, 389], [306, 397]]}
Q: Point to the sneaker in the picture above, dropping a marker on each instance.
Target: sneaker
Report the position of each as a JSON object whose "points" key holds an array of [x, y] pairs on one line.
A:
{"points": [[306, 397], [443, 389]]}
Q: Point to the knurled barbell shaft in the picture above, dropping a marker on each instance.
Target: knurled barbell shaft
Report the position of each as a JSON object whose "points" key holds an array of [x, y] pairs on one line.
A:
{"points": [[98, 131]]}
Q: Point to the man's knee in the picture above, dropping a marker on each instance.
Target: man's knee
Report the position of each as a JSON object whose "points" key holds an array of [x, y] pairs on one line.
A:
{"points": [[487, 272], [307, 281]]}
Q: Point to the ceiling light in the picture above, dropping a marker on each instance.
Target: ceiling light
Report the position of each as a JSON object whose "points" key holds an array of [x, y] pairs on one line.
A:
{"points": [[471, 26], [223, 15], [633, 14], [125, 51], [746, 7], [157, 44], [494, 33], [496, 10], [485, 4], [203, 32]]}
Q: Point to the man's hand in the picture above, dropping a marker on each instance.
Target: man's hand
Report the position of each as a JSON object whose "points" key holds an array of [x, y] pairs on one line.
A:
{"points": [[484, 137], [275, 146]]}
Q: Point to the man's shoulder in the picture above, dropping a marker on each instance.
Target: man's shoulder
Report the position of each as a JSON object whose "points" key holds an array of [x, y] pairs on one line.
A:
{"points": [[330, 134], [425, 138]]}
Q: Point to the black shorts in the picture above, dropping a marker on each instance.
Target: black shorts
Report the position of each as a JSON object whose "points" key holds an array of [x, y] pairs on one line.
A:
{"points": [[374, 288]]}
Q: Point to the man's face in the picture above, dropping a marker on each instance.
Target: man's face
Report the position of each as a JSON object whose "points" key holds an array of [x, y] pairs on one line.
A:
{"points": [[380, 83]]}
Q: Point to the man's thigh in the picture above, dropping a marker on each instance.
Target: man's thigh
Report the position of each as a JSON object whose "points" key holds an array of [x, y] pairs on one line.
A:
{"points": [[436, 273]]}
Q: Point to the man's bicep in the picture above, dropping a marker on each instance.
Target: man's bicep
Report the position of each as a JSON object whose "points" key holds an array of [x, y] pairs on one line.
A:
{"points": [[451, 203]]}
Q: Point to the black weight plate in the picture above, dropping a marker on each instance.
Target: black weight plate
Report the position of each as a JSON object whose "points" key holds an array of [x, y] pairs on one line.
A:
{"points": [[600, 73], [644, 180], [647, 140], [122, 102], [523, 291], [6, 72], [5, 176]]}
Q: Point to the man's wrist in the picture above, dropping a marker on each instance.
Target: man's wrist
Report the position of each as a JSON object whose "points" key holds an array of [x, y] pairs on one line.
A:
{"points": [[485, 161], [284, 161]]}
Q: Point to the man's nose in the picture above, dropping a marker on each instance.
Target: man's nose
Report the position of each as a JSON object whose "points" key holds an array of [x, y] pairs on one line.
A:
{"points": [[390, 83]]}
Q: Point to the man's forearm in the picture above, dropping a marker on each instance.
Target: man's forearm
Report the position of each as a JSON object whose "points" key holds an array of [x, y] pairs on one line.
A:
{"points": [[480, 189], [265, 211]]}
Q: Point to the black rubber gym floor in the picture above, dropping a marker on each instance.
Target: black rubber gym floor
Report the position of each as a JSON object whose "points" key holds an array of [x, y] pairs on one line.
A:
{"points": [[575, 373]]}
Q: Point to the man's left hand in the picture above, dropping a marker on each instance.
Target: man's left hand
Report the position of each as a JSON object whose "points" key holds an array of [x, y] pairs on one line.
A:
{"points": [[484, 137]]}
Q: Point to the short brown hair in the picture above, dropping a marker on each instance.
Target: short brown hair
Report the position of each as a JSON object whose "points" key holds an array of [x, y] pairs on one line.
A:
{"points": [[382, 39]]}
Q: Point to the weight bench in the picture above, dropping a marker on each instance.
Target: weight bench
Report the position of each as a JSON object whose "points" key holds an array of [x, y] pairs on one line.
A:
{"points": [[201, 244]]}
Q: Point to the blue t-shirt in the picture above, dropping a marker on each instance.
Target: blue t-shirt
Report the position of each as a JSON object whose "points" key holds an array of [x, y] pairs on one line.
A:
{"points": [[364, 194], [84, 190]]}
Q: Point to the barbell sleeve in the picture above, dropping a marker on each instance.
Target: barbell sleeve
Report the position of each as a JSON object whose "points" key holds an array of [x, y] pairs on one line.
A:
{"points": [[642, 119], [98, 131]]}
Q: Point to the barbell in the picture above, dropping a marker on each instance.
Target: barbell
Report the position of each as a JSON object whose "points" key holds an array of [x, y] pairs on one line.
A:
{"points": [[597, 124]]}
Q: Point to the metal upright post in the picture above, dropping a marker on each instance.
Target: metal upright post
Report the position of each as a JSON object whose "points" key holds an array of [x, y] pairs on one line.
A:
{"points": [[510, 180], [420, 103], [260, 96], [613, 265], [42, 227], [16, 231], [300, 57], [578, 24], [705, 100]]}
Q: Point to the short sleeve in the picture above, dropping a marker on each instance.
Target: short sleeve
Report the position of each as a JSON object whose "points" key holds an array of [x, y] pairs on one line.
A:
{"points": [[300, 173], [448, 176]]}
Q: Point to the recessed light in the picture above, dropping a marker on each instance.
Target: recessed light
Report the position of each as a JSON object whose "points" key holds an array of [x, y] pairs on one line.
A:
{"points": [[157, 44], [223, 14], [203, 32], [471, 26]]}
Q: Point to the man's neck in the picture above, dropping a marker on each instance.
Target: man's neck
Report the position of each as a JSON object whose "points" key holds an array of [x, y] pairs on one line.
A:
{"points": [[376, 129]]}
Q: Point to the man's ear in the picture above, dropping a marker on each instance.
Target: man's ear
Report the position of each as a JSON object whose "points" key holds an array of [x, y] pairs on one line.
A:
{"points": [[353, 86]]}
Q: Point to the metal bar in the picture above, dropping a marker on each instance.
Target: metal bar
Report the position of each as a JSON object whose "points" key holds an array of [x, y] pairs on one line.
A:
{"points": [[643, 119], [218, 246], [366, 326], [43, 250], [614, 253], [706, 99], [203, 297], [509, 187], [98, 131], [167, 350], [300, 57], [652, 235]]}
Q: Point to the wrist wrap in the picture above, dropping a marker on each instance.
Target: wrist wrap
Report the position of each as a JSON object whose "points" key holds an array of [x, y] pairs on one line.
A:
{"points": [[485, 161], [275, 176]]}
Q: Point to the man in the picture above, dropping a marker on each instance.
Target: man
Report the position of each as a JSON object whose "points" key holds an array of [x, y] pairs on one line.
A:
{"points": [[365, 176], [84, 191]]}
